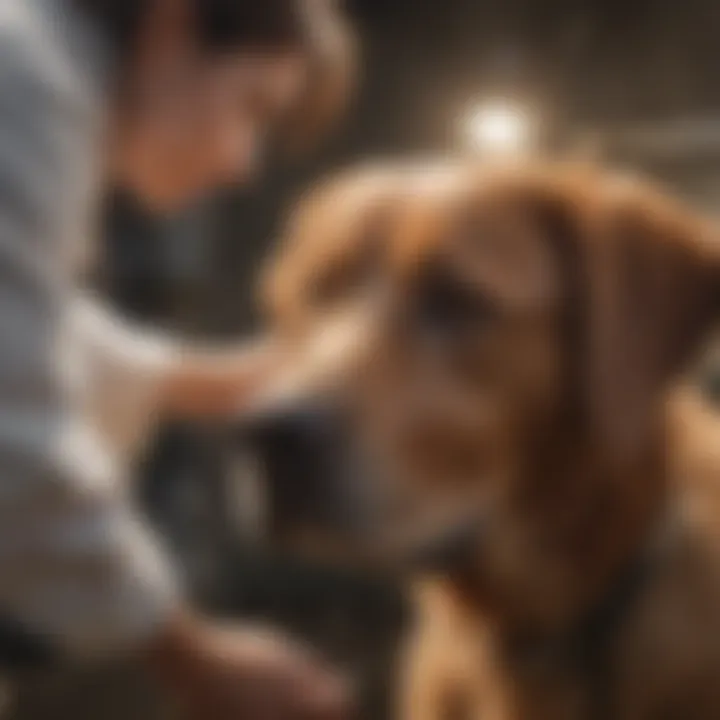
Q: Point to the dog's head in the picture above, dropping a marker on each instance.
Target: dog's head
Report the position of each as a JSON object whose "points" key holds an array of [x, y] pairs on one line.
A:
{"points": [[520, 330]]}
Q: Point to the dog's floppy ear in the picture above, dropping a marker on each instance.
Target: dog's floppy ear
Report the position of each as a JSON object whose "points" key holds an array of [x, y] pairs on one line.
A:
{"points": [[652, 274], [332, 244]]}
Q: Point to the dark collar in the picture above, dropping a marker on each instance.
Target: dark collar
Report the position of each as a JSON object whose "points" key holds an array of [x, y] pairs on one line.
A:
{"points": [[580, 646], [584, 651]]}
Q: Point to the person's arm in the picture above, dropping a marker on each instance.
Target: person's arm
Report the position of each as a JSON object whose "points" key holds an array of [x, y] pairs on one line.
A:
{"points": [[270, 371], [140, 375], [217, 383], [137, 376]]}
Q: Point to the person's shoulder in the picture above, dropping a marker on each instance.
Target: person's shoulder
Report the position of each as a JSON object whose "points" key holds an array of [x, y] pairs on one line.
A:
{"points": [[28, 62], [23, 34], [40, 52], [17, 17]]}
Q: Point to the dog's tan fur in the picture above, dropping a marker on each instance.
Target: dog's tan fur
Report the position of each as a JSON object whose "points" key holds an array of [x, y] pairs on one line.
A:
{"points": [[548, 409]]}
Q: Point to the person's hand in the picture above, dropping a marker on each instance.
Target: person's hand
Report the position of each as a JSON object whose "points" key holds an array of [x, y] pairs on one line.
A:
{"points": [[217, 384], [221, 673]]}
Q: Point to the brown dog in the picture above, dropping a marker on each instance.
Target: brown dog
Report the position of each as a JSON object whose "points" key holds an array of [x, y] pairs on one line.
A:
{"points": [[521, 332]]}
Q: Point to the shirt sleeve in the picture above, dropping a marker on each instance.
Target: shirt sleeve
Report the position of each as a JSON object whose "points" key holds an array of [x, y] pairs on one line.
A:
{"points": [[76, 565], [125, 371]]}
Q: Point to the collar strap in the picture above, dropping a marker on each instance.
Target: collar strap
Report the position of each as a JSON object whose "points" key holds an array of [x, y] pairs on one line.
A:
{"points": [[585, 650]]}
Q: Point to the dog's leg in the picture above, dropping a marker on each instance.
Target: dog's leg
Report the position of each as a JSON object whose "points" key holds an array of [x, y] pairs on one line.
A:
{"points": [[427, 688], [442, 673]]}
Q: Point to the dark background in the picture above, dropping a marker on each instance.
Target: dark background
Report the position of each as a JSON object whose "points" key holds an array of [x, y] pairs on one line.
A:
{"points": [[589, 67]]}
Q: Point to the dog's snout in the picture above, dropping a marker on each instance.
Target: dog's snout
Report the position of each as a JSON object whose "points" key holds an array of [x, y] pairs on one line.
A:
{"points": [[306, 458]]}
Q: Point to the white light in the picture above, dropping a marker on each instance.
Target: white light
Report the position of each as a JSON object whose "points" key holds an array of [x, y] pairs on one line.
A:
{"points": [[499, 128]]}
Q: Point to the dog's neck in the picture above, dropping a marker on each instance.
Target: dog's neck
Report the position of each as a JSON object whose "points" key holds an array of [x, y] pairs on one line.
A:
{"points": [[598, 521], [583, 654], [581, 639], [579, 653]]}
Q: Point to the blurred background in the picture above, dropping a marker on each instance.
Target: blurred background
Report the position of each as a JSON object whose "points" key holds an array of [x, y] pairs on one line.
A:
{"points": [[632, 81]]}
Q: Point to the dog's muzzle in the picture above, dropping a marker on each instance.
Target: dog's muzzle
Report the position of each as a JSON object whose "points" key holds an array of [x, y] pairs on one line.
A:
{"points": [[318, 483], [312, 478]]}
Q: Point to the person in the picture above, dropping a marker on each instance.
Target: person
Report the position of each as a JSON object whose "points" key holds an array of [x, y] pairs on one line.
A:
{"points": [[170, 98]]}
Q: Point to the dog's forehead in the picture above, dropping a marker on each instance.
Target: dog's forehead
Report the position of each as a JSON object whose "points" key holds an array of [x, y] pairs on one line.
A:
{"points": [[482, 227]]}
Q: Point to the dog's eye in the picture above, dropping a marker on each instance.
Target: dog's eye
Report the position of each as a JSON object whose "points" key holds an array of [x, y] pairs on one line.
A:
{"points": [[446, 307]]}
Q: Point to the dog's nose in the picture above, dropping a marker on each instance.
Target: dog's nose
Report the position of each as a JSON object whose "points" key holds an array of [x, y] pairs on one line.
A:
{"points": [[310, 477]]}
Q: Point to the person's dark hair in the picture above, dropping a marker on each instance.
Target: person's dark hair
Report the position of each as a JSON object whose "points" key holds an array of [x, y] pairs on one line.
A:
{"points": [[316, 27], [222, 24]]}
